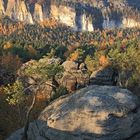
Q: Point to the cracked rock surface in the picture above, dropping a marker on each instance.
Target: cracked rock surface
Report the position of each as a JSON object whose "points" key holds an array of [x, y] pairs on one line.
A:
{"points": [[92, 113]]}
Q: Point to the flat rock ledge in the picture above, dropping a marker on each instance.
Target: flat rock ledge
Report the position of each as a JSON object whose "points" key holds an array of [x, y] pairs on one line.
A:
{"points": [[92, 113]]}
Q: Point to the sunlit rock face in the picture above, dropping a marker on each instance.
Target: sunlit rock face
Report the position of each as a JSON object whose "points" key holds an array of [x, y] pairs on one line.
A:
{"points": [[92, 113], [130, 23], [79, 17], [17, 10], [87, 23], [64, 14], [82, 16], [2, 10], [10, 8], [23, 14], [38, 13]]}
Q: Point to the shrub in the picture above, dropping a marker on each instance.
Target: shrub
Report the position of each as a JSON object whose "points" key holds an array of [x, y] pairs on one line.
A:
{"points": [[128, 65], [14, 92], [9, 64]]}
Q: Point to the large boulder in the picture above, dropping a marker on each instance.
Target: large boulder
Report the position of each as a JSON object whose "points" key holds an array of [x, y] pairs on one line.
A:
{"points": [[104, 76], [69, 81], [30, 81], [74, 78], [70, 66], [93, 113]]}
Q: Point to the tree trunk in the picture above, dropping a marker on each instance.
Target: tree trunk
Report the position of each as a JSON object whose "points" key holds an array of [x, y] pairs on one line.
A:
{"points": [[25, 136]]}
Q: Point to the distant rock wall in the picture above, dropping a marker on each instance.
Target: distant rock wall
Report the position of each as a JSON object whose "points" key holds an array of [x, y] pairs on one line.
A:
{"points": [[38, 13], [130, 23], [82, 16], [64, 14], [2, 10], [18, 10]]}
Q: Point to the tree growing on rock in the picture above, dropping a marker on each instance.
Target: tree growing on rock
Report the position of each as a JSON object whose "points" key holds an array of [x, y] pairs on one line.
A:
{"points": [[44, 72]]}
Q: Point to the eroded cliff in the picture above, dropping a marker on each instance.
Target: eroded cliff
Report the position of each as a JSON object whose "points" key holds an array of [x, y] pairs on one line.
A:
{"points": [[80, 15]]}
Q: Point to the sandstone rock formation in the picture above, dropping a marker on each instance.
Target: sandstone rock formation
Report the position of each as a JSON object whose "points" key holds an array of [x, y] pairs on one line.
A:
{"points": [[79, 15], [18, 10], [73, 78], [30, 81], [2, 10], [64, 15], [104, 76], [93, 113], [130, 23], [38, 13]]}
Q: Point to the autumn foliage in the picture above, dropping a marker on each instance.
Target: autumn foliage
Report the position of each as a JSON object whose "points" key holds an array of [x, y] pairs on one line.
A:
{"points": [[9, 64]]}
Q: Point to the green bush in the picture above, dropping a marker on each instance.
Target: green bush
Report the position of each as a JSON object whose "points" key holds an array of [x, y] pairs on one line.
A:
{"points": [[15, 93], [128, 65]]}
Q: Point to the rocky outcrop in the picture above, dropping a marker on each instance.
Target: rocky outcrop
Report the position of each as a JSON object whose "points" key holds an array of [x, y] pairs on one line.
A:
{"points": [[130, 23], [70, 66], [38, 13], [64, 14], [2, 10], [30, 81], [74, 78], [104, 76], [17, 10], [93, 113], [23, 14], [10, 8]]}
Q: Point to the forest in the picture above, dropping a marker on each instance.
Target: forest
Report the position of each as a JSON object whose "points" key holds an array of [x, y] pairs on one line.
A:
{"points": [[25, 51]]}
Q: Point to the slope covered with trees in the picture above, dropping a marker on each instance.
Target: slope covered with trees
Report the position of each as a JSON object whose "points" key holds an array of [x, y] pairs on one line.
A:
{"points": [[19, 43]]}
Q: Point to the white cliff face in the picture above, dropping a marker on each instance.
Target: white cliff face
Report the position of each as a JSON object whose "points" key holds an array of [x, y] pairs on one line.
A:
{"points": [[63, 14], [2, 10], [23, 14], [18, 10], [67, 16], [130, 23], [86, 24], [10, 8], [38, 12]]}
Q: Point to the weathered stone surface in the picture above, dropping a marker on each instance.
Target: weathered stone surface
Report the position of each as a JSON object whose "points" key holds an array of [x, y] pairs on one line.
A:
{"points": [[74, 14], [29, 81], [69, 81], [93, 113], [74, 78], [103, 76], [70, 66], [96, 112]]}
